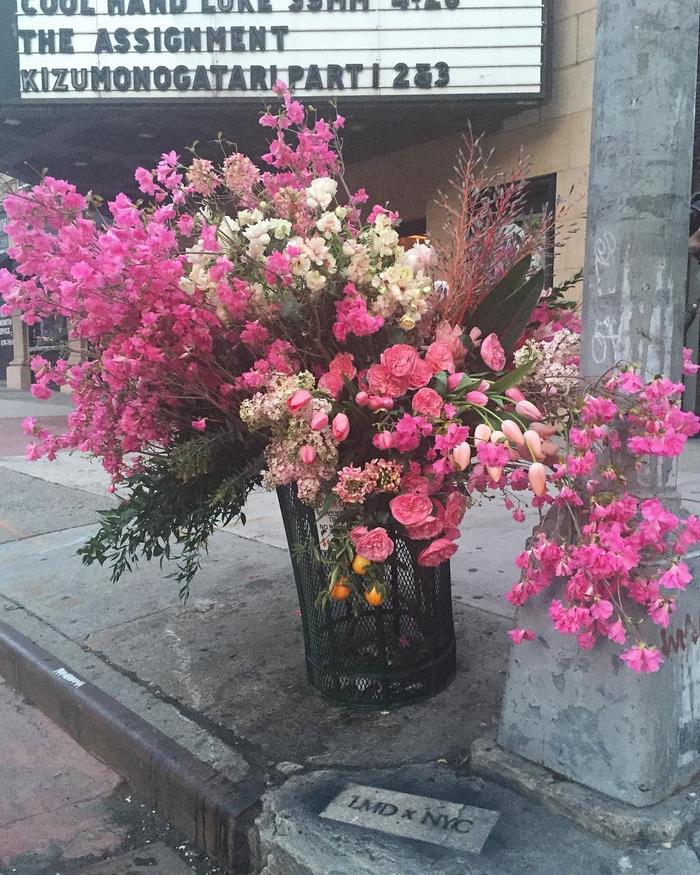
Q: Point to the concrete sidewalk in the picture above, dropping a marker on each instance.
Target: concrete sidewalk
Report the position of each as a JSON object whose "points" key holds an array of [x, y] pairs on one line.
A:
{"points": [[224, 677]]}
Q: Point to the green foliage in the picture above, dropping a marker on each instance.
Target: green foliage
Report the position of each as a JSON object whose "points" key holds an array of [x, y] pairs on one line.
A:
{"points": [[506, 310], [175, 502]]}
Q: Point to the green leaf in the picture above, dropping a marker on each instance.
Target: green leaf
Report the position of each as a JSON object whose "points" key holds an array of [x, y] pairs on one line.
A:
{"points": [[507, 309], [498, 387]]}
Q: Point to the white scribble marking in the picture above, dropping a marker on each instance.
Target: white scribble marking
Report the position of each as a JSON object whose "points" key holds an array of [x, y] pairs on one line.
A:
{"points": [[68, 677], [604, 249], [606, 336]]}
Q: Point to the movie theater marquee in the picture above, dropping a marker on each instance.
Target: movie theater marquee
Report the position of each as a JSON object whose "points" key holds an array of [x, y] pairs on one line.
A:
{"points": [[155, 49]]}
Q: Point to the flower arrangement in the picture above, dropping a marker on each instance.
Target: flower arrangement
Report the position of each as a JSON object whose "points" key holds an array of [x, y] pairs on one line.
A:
{"points": [[244, 326]]}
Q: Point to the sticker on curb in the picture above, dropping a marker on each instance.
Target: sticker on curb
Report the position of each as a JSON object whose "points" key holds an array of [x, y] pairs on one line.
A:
{"points": [[68, 677], [414, 817]]}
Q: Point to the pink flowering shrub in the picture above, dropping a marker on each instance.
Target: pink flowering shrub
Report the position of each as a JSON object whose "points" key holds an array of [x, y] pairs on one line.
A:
{"points": [[618, 558]]}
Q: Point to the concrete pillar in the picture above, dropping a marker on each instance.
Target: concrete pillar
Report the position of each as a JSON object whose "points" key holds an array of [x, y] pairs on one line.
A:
{"points": [[19, 374], [582, 713]]}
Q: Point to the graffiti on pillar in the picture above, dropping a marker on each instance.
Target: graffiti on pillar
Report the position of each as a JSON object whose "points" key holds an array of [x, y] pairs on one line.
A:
{"points": [[680, 638], [604, 250], [606, 342]]}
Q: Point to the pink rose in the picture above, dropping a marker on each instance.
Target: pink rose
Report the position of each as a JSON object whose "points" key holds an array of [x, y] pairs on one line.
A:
{"points": [[492, 353], [411, 509], [431, 526], [452, 337], [343, 364], [437, 553], [399, 359], [439, 357], [414, 482], [332, 382], [455, 508], [420, 375], [427, 402], [383, 382], [374, 544]]}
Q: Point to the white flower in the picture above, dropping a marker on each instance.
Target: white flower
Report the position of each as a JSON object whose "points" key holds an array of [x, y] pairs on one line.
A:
{"points": [[259, 238], [249, 217], [315, 281], [228, 228], [321, 192], [280, 228], [329, 224], [419, 257]]}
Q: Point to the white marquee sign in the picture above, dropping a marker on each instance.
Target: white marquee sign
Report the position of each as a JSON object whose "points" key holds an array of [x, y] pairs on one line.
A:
{"points": [[153, 49]]}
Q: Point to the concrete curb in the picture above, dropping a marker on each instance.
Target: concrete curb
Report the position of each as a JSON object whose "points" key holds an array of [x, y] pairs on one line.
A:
{"points": [[662, 823], [212, 811]]}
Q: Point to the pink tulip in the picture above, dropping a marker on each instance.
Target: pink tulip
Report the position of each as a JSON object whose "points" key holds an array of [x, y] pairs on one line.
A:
{"points": [[319, 420], [454, 380], [534, 443], [494, 473], [482, 432], [361, 399], [543, 430], [537, 477], [512, 431], [341, 427], [484, 386], [461, 456], [298, 401], [549, 448], [478, 398], [383, 440], [497, 437], [528, 410], [475, 334], [514, 394], [307, 454], [380, 402]]}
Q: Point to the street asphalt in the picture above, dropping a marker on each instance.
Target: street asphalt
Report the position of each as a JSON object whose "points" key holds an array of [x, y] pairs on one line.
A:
{"points": [[223, 675]]}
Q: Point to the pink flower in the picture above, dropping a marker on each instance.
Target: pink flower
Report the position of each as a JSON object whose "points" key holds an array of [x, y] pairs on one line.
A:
{"points": [[298, 401], [477, 398], [383, 440], [514, 394], [319, 421], [427, 402], [528, 410], [678, 576], [455, 508], [41, 392], [343, 364], [411, 509], [437, 553], [601, 609], [420, 375], [361, 399], [374, 544], [513, 432], [332, 382], [454, 380], [642, 658], [461, 455], [382, 382], [517, 636], [307, 454], [399, 359], [341, 427], [439, 357], [492, 353], [199, 424], [688, 367]]}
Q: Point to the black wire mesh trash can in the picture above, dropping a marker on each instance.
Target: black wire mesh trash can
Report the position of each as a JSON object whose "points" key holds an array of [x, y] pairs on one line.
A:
{"points": [[374, 657]]}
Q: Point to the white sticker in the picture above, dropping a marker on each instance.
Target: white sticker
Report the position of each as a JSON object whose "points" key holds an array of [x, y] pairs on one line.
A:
{"points": [[323, 525]]}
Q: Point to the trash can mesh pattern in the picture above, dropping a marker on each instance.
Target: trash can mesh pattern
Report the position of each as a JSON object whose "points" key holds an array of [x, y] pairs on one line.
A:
{"points": [[374, 657]]}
